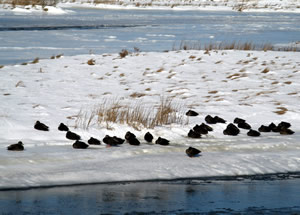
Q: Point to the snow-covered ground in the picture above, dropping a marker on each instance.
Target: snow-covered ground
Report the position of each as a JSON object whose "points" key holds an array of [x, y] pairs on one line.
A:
{"points": [[37, 9], [237, 5], [225, 83], [217, 5]]}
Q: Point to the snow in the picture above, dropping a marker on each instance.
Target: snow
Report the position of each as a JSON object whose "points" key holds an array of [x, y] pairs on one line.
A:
{"points": [[37, 9], [220, 5], [225, 83], [290, 6]]}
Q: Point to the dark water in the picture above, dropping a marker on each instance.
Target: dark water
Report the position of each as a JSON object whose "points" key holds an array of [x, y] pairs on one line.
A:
{"points": [[265, 195], [25, 37]]}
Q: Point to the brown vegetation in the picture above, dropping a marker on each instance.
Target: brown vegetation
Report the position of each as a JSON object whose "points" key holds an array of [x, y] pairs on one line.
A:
{"points": [[137, 115]]}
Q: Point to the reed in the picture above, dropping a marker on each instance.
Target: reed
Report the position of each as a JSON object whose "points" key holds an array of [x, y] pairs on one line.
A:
{"points": [[246, 46], [137, 115]]}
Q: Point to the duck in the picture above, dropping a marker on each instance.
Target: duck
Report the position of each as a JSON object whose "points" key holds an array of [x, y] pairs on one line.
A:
{"points": [[16, 147], [193, 134], [232, 130], [162, 141], [133, 141], [94, 141], [148, 137], [253, 133], [192, 152], [80, 145], [41, 126], [238, 120], [264, 128], [63, 127], [72, 136], [209, 119], [200, 129], [129, 135], [218, 119], [274, 128], [286, 131], [283, 124], [207, 127], [113, 141], [191, 113], [244, 125]]}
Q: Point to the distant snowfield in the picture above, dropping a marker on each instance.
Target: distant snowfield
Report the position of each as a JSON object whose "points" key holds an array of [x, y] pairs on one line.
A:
{"points": [[219, 5], [291, 6], [225, 83], [37, 10]]}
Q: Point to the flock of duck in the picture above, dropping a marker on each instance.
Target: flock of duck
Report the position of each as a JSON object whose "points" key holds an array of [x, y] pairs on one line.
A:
{"points": [[232, 129]]}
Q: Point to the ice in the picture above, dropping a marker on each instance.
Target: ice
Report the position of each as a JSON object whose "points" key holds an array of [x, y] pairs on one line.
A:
{"points": [[225, 83]]}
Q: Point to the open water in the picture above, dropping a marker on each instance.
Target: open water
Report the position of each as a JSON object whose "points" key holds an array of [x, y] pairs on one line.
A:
{"points": [[24, 37], [269, 194]]}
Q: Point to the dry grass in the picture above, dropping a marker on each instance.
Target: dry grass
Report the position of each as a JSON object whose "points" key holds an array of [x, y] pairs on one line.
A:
{"points": [[266, 70], [281, 110], [246, 46], [136, 115], [123, 53], [36, 60], [91, 62]]}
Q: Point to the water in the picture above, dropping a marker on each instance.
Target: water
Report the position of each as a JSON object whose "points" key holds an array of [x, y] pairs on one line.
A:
{"points": [[25, 37], [258, 195]]}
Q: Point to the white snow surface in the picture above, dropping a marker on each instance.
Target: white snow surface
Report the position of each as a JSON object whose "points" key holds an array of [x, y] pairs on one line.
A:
{"points": [[217, 5], [37, 10], [225, 83]]}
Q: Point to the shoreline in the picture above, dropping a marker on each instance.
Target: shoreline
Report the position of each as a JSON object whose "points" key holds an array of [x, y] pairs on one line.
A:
{"points": [[60, 8], [204, 179]]}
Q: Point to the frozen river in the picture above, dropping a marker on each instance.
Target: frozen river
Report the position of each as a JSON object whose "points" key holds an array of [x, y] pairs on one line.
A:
{"points": [[24, 37]]}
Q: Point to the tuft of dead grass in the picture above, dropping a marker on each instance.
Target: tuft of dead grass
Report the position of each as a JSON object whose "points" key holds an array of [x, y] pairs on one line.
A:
{"points": [[91, 62], [266, 70], [281, 110], [137, 95], [136, 115], [246, 46], [36, 60], [123, 53]]}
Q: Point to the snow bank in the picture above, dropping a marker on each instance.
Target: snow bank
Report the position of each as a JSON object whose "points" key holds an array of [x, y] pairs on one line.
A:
{"points": [[260, 87], [219, 5], [37, 9]]}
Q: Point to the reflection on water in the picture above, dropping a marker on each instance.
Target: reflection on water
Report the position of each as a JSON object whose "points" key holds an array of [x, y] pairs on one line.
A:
{"points": [[25, 37], [177, 197]]}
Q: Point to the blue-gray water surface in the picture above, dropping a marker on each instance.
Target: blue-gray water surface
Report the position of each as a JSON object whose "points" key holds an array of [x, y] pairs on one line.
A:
{"points": [[271, 194], [25, 37]]}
